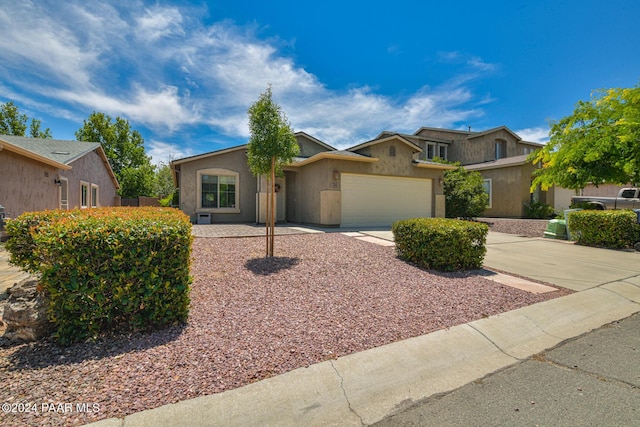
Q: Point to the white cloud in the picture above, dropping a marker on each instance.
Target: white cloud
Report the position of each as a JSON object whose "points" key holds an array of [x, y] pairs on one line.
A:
{"points": [[162, 68], [164, 152], [538, 134], [159, 22]]}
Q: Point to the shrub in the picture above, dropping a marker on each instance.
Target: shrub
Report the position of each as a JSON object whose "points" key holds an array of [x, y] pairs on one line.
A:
{"points": [[538, 210], [106, 269], [464, 193], [609, 228], [441, 244]]}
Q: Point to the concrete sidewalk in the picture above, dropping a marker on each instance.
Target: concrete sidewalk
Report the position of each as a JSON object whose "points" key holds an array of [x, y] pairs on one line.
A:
{"points": [[370, 386]]}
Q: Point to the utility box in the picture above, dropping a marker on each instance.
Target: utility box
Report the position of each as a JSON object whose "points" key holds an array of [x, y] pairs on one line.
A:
{"points": [[204, 218], [556, 229]]}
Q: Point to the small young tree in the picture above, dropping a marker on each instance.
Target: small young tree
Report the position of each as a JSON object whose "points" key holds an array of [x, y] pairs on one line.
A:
{"points": [[464, 193], [271, 146]]}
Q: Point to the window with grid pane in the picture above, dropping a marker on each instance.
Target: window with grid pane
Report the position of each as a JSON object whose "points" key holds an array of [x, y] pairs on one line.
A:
{"points": [[218, 191]]}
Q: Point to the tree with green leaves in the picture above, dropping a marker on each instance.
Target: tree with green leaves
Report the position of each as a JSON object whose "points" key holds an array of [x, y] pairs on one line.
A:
{"points": [[124, 148], [164, 187], [271, 146], [598, 143], [14, 123], [464, 193]]}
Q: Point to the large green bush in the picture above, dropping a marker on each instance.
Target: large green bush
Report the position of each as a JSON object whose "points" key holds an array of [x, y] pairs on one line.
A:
{"points": [[609, 228], [107, 269], [441, 244], [464, 193]]}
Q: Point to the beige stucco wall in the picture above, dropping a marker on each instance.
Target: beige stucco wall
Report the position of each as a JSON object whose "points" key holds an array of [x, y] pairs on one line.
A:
{"points": [[511, 190], [308, 147], [91, 169], [482, 149], [235, 161], [26, 185], [477, 149], [318, 200]]}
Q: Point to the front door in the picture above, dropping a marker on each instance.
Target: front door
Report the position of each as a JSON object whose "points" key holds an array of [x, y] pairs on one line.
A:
{"points": [[281, 198]]}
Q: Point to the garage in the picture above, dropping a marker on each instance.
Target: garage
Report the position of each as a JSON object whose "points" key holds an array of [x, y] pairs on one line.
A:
{"points": [[380, 200]]}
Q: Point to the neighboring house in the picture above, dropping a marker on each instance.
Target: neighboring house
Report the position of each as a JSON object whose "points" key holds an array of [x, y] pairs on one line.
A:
{"points": [[38, 174], [374, 183], [499, 155]]}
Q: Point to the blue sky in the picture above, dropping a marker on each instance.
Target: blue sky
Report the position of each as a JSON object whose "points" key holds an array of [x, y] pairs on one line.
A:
{"points": [[184, 73]]}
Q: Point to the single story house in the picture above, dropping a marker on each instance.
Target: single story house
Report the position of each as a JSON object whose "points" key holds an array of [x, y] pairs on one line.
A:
{"points": [[371, 184], [38, 174]]}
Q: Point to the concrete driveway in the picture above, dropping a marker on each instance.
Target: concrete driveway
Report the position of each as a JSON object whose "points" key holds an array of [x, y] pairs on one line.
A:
{"points": [[560, 262]]}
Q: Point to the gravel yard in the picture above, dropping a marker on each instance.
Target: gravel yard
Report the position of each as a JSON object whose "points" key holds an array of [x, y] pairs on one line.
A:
{"points": [[323, 296], [520, 227]]}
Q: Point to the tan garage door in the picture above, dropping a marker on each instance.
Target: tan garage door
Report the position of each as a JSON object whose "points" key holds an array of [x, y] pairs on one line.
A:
{"points": [[381, 200]]}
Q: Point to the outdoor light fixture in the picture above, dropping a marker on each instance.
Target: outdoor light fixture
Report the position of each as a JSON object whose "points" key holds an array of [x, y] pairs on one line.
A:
{"points": [[336, 175], [57, 182]]}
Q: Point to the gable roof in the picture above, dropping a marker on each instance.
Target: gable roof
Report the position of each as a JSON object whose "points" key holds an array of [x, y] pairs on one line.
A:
{"points": [[316, 140], [209, 154], [397, 136], [494, 130], [55, 152]]}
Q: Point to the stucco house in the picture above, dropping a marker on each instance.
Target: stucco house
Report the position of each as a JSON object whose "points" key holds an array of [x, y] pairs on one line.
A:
{"points": [[373, 183], [498, 154], [38, 174]]}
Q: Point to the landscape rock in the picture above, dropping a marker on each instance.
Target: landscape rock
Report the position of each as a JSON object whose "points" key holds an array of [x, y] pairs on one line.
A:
{"points": [[25, 312]]}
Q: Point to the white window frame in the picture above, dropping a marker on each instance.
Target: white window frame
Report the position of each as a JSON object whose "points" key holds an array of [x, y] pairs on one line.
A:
{"points": [[94, 201], [84, 186], [488, 189], [217, 172]]}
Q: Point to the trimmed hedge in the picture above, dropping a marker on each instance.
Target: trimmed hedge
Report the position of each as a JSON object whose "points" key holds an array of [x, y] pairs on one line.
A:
{"points": [[107, 269], [613, 229], [441, 244]]}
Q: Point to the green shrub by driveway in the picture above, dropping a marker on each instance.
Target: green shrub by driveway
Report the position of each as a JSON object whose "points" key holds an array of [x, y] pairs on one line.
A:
{"points": [[107, 269], [441, 244], [613, 229]]}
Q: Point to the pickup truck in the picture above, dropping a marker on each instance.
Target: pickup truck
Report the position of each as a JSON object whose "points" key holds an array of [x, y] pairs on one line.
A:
{"points": [[627, 198]]}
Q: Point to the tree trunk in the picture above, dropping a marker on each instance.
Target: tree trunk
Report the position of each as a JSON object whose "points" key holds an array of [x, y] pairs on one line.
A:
{"points": [[273, 202], [266, 219]]}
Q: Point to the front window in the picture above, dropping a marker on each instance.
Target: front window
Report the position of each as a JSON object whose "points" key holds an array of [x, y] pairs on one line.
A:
{"points": [[218, 189]]}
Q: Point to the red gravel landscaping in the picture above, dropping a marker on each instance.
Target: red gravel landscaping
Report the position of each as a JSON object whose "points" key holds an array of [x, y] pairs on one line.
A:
{"points": [[323, 296]]}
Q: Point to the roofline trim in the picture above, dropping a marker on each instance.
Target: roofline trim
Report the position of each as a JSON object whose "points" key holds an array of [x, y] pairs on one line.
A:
{"points": [[386, 139], [335, 156], [440, 166], [209, 154]]}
